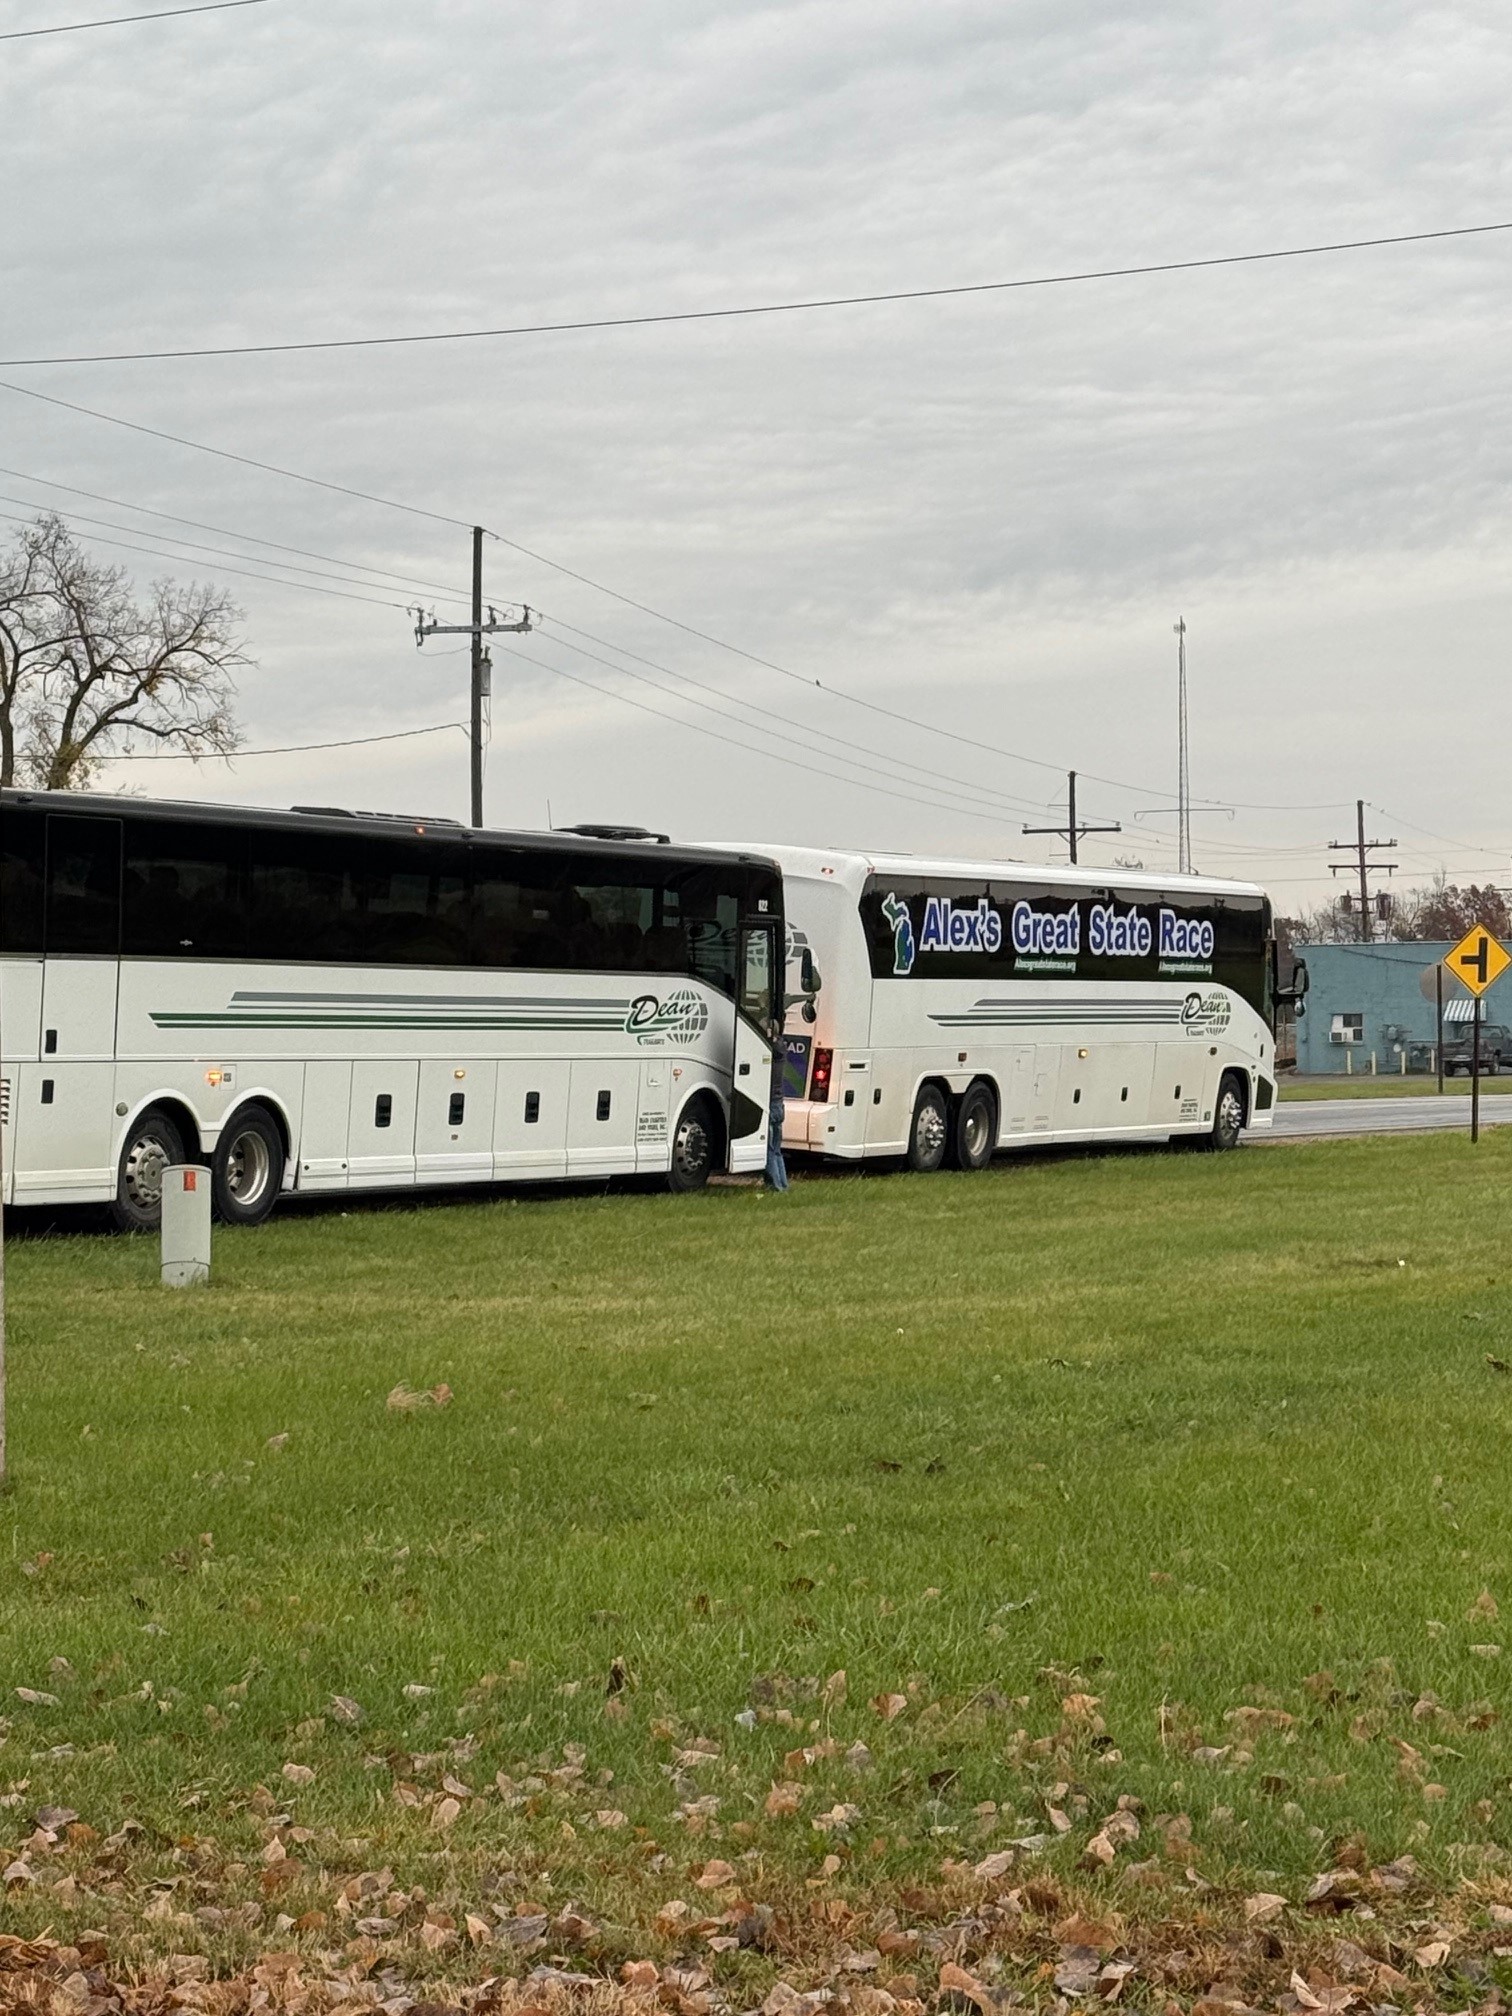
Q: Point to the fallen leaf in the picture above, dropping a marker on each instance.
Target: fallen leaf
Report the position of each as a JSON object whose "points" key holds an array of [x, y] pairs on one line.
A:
{"points": [[35, 1697], [1485, 1605], [888, 1706], [345, 1710], [298, 1774], [715, 1875], [833, 1692], [1078, 1970], [445, 1814], [783, 1801], [478, 1930], [1432, 1955], [1263, 1906]]}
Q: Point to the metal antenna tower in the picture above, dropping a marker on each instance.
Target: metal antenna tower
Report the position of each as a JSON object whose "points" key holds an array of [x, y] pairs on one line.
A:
{"points": [[1183, 779]]}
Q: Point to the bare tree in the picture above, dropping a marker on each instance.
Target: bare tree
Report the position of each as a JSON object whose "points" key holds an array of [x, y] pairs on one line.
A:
{"points": [[87, 672]]}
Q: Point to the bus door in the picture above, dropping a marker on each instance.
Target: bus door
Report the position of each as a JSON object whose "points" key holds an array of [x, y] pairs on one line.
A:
{"points": [[83, 937], [758, 981]]}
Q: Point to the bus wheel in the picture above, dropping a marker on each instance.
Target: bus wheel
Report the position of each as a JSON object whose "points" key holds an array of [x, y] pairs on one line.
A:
{"points": [[1228, 1115], [248, 1169], [929, 1135], [151, 1145], [975, 1128], [694, 1142]]}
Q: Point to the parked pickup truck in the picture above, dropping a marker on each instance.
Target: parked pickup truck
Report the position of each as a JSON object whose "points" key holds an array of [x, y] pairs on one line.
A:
{"points": [[1495, 1049]]}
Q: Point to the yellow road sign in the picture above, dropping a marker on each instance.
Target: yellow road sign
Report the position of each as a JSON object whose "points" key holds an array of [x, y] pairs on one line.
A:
{"points": [[1477, 960]]}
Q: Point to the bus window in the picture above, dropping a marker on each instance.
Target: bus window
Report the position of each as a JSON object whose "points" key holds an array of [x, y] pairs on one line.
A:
{"points": [[757, 976], [83, 886], [183, 890], [21, 881]]}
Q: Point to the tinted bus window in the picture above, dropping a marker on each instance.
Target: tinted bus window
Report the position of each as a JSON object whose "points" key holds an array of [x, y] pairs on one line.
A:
{"points": [[183, 891], [83, 886], [300, 900], [516, 908], [22, 861], [412, 904]]}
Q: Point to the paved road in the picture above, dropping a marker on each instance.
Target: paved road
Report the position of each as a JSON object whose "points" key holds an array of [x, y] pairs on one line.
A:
{"points": [[1312, 1117]]}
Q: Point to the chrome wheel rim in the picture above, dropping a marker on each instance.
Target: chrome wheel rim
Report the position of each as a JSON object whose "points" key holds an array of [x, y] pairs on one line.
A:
{"points": [[929, 1133], [975, 1132], [690, 1148], [249, 1167], [142, 1172], [1230, 1115]]}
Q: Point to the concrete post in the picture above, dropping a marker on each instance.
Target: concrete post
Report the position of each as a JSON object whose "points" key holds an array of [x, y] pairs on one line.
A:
{"points": [[186, 1225]]}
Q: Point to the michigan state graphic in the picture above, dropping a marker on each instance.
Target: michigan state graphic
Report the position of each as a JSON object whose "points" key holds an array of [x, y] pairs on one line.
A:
{"points": [[896, 913]]}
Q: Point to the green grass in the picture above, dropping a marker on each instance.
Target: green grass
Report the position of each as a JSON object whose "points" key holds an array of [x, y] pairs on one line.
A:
{"points": [[1185, 1434], [1389, 1085]]}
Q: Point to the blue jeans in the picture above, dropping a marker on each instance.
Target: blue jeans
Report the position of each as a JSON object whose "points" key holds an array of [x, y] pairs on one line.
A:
{"points": [[776, 1168]]}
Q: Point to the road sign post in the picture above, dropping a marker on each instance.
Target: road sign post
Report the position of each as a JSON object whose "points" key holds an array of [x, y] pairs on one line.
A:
{"points": [[1438, 1034], [1476, 961]]}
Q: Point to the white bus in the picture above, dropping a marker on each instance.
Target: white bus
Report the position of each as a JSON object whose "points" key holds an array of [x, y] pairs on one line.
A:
{"points": [[967, 1006], [318, 1001]]}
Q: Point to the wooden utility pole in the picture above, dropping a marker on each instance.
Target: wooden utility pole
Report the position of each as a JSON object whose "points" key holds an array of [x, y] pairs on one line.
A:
{"points": [[1362, 849], [477, 630], [1072, 831], [477, 676]]}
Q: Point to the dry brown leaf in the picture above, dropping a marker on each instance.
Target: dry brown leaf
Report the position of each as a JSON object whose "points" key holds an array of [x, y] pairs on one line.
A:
{"points": [[1485, 1605], [1434, 1954], [1263, 1906], [715, 1875], [783, 1801], [833, 1692], [445, 1813], [298, 1774], [888, 1706]]}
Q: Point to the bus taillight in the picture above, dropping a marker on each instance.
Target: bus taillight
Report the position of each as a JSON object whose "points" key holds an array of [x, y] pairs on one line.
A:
{"points": [[819, 1077]]}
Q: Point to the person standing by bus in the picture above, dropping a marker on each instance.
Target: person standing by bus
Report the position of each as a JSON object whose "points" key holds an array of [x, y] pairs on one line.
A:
{"points": [[776, 1168]]}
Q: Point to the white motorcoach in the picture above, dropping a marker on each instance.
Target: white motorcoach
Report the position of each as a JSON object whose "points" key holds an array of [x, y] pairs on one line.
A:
{"points": [[966, 1006], [323, 1001]]}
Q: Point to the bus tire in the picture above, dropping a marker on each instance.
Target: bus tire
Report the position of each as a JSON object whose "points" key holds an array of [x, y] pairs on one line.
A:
{"points": [[976, 1126], [1229, 1114], [150, 1145], [247, 1172], [928, 1131], [695, 1144]]}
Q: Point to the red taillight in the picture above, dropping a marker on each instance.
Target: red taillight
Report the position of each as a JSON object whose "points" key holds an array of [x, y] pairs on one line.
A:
{"points": [[819, 1077]]}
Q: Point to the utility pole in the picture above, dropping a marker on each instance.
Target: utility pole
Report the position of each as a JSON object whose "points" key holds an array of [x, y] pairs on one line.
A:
{"points": [[1183, 779], [1071, 832], [482, 664], [1362, 849]]}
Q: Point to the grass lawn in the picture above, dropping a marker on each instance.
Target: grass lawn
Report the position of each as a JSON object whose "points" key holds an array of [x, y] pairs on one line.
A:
{"points": [[781, 1585], [1386, 1086]]}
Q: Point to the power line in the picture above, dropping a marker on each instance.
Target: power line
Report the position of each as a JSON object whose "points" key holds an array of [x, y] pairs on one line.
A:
{"points": [[985, 802], [663, 318], [413, 582], [599, 587], [288, 749], [123, 20], [229, 455], [276, 580], [198, 546], [697, 727], [957, 786]]}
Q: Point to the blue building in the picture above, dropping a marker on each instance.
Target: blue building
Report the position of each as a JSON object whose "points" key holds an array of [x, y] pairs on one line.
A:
{"points": [[1368, 999]]}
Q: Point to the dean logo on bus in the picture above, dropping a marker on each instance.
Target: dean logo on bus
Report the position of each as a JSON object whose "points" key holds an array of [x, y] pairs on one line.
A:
{"points": [[683, 1017], [1206, 1014]]}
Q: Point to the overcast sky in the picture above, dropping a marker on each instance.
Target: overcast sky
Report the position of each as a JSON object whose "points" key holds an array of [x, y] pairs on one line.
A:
{"points": [[984, 514]]}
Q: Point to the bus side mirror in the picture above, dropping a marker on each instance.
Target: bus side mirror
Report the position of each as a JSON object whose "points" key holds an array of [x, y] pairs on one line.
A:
{"points": [[1295, 996], [808, 979]]}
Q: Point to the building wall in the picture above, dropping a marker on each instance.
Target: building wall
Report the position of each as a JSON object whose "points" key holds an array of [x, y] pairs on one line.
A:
{"points": [[1379, 982]]}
